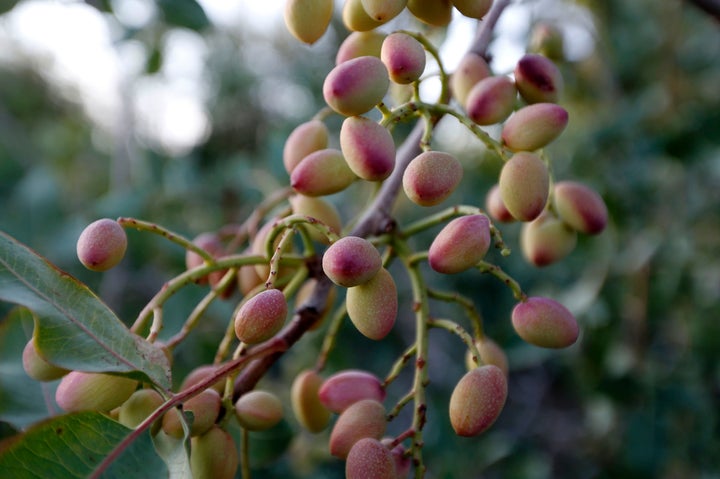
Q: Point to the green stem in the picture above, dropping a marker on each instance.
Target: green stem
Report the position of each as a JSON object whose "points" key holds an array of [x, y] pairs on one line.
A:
{"points": [[470, 310], [166, 233], [399, 364], [496, 271], [455, 328], [330, 337]]}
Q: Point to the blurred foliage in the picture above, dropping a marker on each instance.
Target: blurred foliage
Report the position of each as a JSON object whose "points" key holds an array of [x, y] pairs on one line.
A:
{"points": [[638, 397]]}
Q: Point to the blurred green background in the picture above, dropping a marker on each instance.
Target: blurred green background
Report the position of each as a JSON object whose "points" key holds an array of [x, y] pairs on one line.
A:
{"points": [[98, 126]]}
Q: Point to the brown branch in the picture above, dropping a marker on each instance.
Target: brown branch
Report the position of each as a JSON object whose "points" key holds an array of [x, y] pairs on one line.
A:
{"points": [[711, 7], [377, 220]]}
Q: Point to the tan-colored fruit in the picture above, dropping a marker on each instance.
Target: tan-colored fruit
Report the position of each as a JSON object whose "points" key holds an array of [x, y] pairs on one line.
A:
{"points": [[261, 317], [404, 57], [38, 367], [360, 44], [490, 353], [201, 373], [580, 206], [345, 388], [473, 8], [205, 408], [460, 245], [544, 322], [437, 13], [546, 240], [138, 407], [365, 418], [356, 19], [471, 69], [80, 391], [369, 458], [307, 20], [383, 10], [477, 400], [368, 148], [306, 138], [491, 100], [258, 410], [538, 79], [319, 209], [524, 183], [372, 306], [101, 245], [354, 87], [534, 126], [305, 402], [351, 261], [495, 206], [213, 455], [431, 177]]}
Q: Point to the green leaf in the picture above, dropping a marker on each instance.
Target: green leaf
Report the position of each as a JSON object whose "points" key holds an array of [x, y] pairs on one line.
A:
{"points": [[76, 330], [22, 399], [175, 454], [74, 446], [184, 13]]}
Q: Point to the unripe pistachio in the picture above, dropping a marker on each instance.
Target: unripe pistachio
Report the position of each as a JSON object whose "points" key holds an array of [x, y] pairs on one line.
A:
{"points": [[538, 79], [473, 8], [305, 402], [321, 210], [322, 172], [201, 373], [368, 148], [101, 245], [544, 322], [477, 400], [351, 261], [547, 40], [460, 245], [307, 20], [404, 57], [365, 418], [383, 10], [258, 410], [38, 367], [356, 19], [367, 458], [524, 183], [534, 126], [431, 177], [546, 240], [354, 87], [345, 388], [372, 306], [214, 455], [257, 247], [81, 391], [306, 138], [437, 13], [205, 408], [580, 206], [490, 353], [248, 278], [261, 317], [403, 462], [471, 69], [360, 44], [138, 407], [495, 206], [491, 100]]}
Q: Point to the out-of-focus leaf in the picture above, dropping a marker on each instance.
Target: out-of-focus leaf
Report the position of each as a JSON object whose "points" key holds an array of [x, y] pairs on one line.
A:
{"points": [[76, 329], [175, 454], [22, 399], [74, 445], [7, 5], [184, 13]]}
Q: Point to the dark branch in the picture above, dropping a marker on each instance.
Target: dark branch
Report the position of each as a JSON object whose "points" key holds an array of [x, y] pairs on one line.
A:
{"points": [[711, 7]]}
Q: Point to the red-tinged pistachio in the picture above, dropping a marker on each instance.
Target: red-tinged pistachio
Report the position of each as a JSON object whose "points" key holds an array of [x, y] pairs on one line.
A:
{"points": [[534, 126], [101, 245], [471, 69], [38, 367], [545, 323], [369, 458], [139, 406], [202, 373], [524, 183], [354, 87], [473, 8], [383, 10], [351, 261], [546, 240], [322, 172], [204, 407], [356, 19], [460, 245], [495, 206], [538, 79], [261, 317], [306, 138], [403, 462], [372, 306], [404, 57], [211, 243], [580, 206], [258, 410], [437, 13], [368, 148], [365, 418], [431, 177], [81, 391], [319, 209], [345, 388], [360, 44], [477, 400], [490, 353], [214, 455], [305, 402], [491, 100], [307, 20]]}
